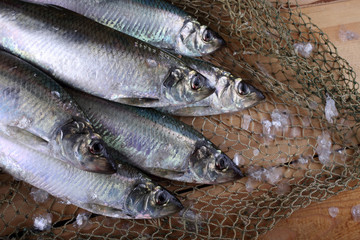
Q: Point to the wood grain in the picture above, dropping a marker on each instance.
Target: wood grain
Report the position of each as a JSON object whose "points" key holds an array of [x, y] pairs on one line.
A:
{"points": [[340, 20]]}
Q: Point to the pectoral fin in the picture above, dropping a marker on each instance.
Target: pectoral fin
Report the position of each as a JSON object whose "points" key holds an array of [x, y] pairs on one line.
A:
{"points": [[25, 137]]}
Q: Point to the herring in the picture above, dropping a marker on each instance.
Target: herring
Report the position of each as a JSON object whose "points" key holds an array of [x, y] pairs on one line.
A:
{"points": [[156, 22], [156, 143], [125, 194], [231, 94], [32, 101], [85, 55]]}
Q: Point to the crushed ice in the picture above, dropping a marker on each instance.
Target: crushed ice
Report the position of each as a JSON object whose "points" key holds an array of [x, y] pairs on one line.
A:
{"points": [[295, 132], [280, 119], [238, 159], [250, 185], [333, 211], [280, 123], [246, 119], [313, 105], [273, 175], [323, 148], [303, 160], [283, 188], [43, 222], [346, 35], [303, 49], [270, 175], [330, 110], [355, 212], [191, 220], [306, 121], [39, 195], [267, 129], [82, 219]]}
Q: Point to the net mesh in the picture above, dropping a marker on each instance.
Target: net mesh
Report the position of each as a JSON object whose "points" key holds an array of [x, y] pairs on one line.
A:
{"points": [[292, 152]]}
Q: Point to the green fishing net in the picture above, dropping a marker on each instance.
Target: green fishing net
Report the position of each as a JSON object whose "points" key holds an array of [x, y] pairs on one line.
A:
{"points": [[297, 147]]}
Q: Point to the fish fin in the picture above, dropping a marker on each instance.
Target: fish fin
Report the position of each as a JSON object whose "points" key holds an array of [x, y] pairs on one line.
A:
{"points": [[27, 138], [165, 173], [49, 5], [194, 111], [140, 102], [106, 211]]}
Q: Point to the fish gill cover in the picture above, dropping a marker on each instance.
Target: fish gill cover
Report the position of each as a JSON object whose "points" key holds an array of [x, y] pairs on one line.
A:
{"points": [[298, 69]]}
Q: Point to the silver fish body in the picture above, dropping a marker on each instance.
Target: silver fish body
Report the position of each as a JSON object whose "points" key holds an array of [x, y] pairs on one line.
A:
{"points": [[155, 21], [231, 95], [156, 143], [86, 55], [32, 101], [125, 194]]}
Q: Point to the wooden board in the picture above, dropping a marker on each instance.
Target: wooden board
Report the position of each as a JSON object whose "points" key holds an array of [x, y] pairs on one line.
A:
{"points": [[338, 19]]}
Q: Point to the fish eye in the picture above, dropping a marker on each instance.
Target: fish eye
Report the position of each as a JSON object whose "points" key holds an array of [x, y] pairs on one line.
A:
{"points": [[243, 89], [208, 35], [96, 148], [220, 164], [161, 198], [196, 82]]}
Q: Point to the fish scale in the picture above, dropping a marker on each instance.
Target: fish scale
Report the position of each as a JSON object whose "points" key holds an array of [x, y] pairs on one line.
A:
{"points": [[154, 21], [156, 143], [41, 125], [32, 102]]}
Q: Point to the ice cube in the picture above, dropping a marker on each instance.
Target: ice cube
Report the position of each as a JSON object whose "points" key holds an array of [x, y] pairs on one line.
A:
{"points": [[82, 219], [39, 195], [43, 222], [303, 49], [303, 160], [191, 220], [313, 105], [330, 110], [346, 35], [238, 159], [250, 185], [306, 121], [267, 131], [280, 119], [283, 188], [273, 175], [355, 212], [333, 211], [246, 119], [324, 148], [295, 132]]}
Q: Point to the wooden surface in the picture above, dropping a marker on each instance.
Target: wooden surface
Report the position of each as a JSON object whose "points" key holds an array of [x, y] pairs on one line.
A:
{"points": [[341, 21]]}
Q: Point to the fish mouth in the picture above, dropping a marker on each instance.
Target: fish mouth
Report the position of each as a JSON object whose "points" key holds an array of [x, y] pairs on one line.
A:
{"points": [[214, 43], [177, 205], [102, 165], [235, 169], [231, 172], [220, 41], [260, 96], [173, 206]]}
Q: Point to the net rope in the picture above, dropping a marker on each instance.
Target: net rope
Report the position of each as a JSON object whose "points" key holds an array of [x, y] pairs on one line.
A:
{"points": [[277, 143]]}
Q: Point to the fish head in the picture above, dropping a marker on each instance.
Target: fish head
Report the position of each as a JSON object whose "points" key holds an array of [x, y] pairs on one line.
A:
{"points": [[235, 95], [149, 200], [246, 94], [82, 147], [211, 166], [185, 85], [196, 40]]}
